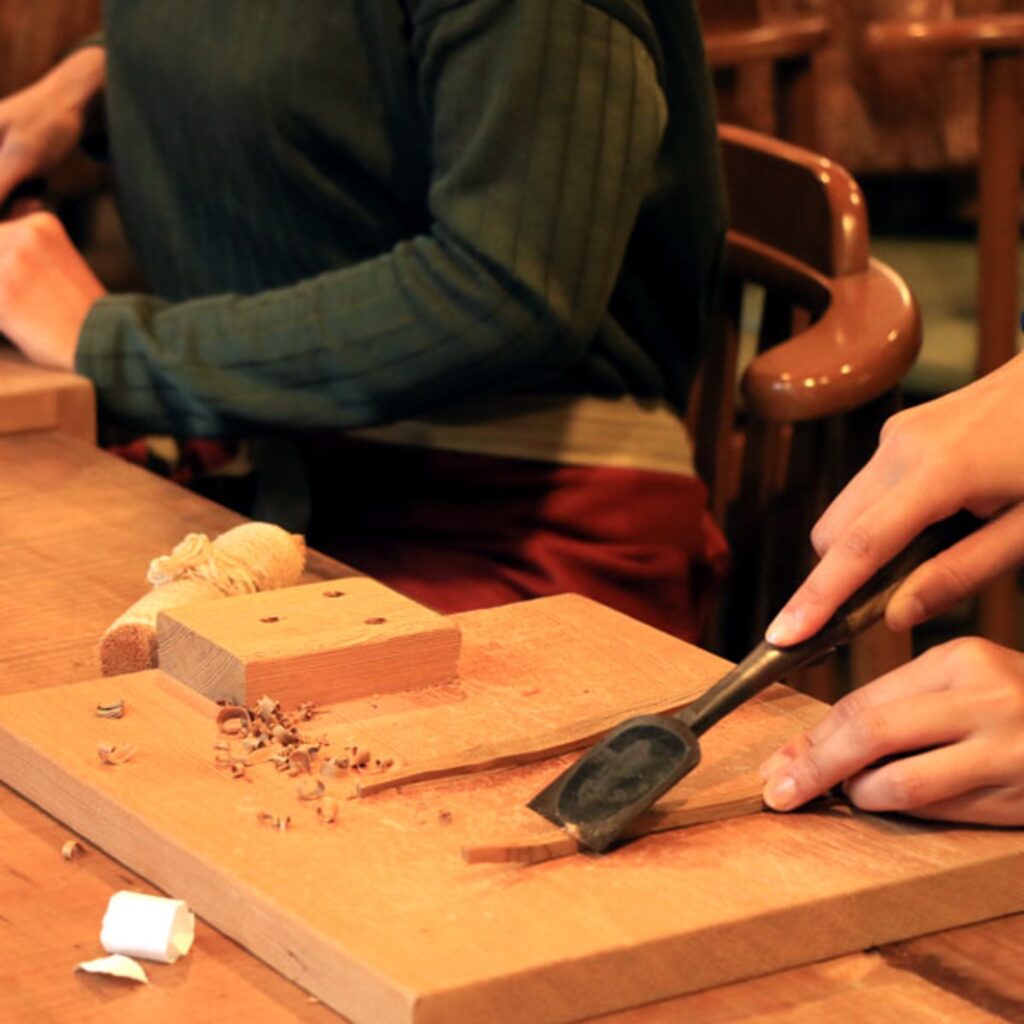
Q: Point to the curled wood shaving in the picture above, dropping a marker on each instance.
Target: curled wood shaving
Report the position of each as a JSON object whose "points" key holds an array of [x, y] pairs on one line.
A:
{"points": [[115, 709], [234, 720], [327, 811], [72, 849], [312, 790], [282, 824], [111, 753], [266, 707], [333, 767], [299, 761]]}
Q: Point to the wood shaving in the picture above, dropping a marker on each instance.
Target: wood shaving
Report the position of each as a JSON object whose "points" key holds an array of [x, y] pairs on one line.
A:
{"points": [[299, 761], [266, 707], [238, 771], [327, 811], [115, 709], [313, 790], [111, 753], [234, 720], [282, 824], [72, 849], [333, 767]]}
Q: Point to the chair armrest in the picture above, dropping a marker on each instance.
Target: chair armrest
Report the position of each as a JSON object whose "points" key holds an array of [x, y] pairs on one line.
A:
{"points": [[984, 32], [783, 40], [862, 346]]}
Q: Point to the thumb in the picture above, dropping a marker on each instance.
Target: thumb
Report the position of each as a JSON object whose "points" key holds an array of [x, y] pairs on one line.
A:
{"points": [[960, 571]]}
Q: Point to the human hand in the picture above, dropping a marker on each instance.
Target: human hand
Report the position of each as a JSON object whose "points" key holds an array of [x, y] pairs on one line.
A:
{"points": [[959, 451], [957, 711], [46, 289], [42, 123]]}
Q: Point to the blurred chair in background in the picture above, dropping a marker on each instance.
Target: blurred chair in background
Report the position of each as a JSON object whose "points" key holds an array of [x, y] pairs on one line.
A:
{"points": [[837, 331]]}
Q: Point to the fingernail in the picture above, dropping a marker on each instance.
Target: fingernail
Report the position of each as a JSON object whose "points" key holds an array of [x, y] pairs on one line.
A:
{"points": [[772, 764], [904, 612], [781, 794], [783, 628]]}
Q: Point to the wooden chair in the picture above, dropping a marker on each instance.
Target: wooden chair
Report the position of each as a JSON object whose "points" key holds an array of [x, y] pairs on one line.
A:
{"points": [[837, 332], [763, 66], [999, 41]]}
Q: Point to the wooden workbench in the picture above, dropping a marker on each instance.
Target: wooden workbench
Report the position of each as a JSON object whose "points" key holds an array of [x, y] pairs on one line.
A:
{"points": [[77, 529]]}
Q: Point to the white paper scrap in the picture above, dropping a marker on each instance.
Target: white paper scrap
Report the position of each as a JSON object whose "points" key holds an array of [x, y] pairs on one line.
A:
{"points": [[116, 966], [151, 927]]}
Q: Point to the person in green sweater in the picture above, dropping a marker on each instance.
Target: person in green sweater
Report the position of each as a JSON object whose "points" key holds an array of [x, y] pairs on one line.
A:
{"points": [[460, 254]]}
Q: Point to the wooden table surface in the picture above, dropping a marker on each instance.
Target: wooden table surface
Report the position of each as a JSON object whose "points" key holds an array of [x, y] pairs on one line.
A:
{"points": [[77, 530]]}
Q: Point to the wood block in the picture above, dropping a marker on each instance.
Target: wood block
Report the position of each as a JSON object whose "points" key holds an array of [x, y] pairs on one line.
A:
{"points": [[33, 398], [377, 914], [321, 642]]}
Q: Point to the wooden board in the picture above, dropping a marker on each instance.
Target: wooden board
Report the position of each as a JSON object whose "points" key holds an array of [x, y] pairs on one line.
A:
{"points": [[33, 398], [320, 642], [380, 918]]}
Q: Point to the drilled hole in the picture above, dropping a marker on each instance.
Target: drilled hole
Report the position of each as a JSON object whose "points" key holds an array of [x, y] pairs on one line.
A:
{"points": [[334, 593], [375, 621], [270, 618]]}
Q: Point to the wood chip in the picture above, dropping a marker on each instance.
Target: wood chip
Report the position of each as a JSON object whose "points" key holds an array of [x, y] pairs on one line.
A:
{"points": [[234, 720], [72, 849], [114, 709], [312, 790], [112, 753], [282, 824], [327, 811]]}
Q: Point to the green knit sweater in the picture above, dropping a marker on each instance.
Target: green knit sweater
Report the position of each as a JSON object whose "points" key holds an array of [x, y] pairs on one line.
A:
{"points": [[354, 211]]}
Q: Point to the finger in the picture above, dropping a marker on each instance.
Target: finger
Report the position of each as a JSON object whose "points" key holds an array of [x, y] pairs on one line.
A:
{"points": [[987, 805], [959, 571], [14, 169], [906, 725], [866, 487], [929, 672], [925, 779], [866, 545]]}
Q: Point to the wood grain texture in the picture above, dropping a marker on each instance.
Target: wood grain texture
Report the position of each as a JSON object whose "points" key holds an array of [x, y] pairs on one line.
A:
{"points": [[322, 642], [33, 398], [379, 916]]}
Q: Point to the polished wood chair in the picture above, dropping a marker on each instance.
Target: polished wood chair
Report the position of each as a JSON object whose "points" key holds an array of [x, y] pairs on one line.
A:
{"points": [[998, 41], [778, 434], [764, 65]]}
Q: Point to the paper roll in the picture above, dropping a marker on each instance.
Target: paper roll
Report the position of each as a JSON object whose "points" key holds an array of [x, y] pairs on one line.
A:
{"points": [[150, 927]]}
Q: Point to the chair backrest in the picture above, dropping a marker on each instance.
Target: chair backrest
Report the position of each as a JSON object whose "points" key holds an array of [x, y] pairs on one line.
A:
{"points": [[832, 332]]}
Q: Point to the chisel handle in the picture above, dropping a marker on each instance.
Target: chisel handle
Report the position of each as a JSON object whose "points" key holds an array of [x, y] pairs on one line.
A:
{"points": [[767, 663]]}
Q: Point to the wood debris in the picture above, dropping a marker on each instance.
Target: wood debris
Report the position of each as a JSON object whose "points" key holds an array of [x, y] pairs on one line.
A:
{"points": [[113, 709], [327, 811], [312, 790], [266, 732], [72, 849], [276, 821], [113, 753]]}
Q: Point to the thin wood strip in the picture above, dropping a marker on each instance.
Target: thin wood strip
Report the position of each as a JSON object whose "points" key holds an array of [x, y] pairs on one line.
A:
{"points": [[556, 842], [518, 750]]}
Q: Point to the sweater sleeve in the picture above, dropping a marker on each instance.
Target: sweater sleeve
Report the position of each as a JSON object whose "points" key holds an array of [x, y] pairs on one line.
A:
{"points": [[545, 120]]}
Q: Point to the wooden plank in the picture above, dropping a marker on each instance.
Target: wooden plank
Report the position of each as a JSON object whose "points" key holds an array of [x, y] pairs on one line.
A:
{"points": [[379, 916], [321, 642], [34, 398]]}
